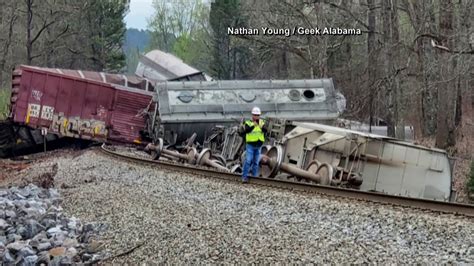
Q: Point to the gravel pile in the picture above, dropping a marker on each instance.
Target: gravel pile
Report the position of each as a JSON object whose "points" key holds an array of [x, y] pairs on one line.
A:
{"points": [[34, 229], [166, 217]]}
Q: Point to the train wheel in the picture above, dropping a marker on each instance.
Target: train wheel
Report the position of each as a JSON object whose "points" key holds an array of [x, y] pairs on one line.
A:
{"points": [[265, 149], [205, 154], [312, 167], [274, 153], [156, 152], [217, 162], [191, 153], [222, 160], [236, 169], [326, 172]]}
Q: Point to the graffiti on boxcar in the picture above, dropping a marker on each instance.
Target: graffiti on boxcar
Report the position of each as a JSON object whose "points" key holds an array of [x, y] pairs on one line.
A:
{"points": [[74, 127], [36, 94], [101, 112]]}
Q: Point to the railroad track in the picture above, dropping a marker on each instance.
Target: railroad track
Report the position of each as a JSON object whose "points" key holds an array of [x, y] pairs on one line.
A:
{"points": [[380, 198]]}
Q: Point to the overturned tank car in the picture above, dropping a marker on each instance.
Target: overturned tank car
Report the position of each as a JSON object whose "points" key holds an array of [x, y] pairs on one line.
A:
{"points": [[208, 107]]}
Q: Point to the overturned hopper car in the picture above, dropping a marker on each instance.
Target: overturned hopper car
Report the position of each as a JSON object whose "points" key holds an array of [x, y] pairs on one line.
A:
{"points": [[332, 156], [184, 108], [366, 162], [157, 65]]}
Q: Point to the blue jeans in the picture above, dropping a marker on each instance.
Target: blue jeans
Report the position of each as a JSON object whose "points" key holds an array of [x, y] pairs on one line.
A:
{"points": [[252, 157]]}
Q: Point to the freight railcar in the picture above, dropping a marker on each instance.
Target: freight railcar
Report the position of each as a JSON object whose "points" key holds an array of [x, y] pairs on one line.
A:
{"points": [[368, 162], [184, 108], [157, 65], [74, 106]]}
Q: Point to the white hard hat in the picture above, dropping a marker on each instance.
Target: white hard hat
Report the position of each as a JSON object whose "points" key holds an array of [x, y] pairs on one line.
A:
{"points": [[256, 111]]}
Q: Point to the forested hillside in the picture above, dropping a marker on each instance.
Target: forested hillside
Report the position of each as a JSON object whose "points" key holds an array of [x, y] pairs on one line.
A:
{"points": [[136, 39], [80, 34], [410, 62], [136, 43]]}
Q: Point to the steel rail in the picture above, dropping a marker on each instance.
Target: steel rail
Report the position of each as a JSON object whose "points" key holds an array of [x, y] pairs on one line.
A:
{"points": [[376, 197]]}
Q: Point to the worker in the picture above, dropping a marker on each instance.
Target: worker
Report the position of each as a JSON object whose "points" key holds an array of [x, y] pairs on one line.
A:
{"points": [[254, 130]]}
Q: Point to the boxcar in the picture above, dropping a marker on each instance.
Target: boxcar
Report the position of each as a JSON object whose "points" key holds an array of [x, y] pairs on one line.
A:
{"points": [[78, 107]]}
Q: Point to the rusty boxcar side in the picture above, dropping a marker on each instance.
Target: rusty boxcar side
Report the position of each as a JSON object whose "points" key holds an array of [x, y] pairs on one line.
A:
{"points": [[77, 107]]}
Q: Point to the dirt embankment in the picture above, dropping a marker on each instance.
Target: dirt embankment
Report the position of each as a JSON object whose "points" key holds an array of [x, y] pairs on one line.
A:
{"points": [[26, 170]]}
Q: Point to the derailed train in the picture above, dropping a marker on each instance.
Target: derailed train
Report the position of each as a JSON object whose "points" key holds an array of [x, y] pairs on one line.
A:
{"points": [[188, 116], [69, 86], [327, 155], [88, 105]]}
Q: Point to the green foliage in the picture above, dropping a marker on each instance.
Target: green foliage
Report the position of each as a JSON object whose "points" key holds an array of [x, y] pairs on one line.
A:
{"points": [[4, 103], [229, 55], [182, 28], [183, 48], [193, 50], [470, 182], [107, 34]]}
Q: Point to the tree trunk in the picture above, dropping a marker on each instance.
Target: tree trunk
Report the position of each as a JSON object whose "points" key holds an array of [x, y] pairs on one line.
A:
{"points": [[391, 41], [29, 29], [445, 136], [347, 46], [416, 13], [234, 62], [429, 101], [372, 58], [397, 72], [464, 22], [8, 40], [388, 84], [467, 84], [423, 21]]}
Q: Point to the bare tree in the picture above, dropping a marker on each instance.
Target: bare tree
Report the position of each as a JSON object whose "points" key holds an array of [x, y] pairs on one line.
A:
{"points": [[45, 21], [422, 18], [445, 136], [372, 62]]}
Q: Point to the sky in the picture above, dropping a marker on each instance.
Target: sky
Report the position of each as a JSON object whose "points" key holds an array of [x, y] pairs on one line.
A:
{"points": [[140, 11]]}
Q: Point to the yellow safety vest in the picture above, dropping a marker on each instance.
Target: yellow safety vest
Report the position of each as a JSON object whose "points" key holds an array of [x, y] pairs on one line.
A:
{"points": [[256, 134]]}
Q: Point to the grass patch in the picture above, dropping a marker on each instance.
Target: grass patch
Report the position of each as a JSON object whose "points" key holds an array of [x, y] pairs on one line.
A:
{"points": [[4, 103]]}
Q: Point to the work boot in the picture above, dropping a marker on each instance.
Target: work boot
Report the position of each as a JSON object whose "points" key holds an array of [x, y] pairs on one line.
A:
{"points": [[245, 180]]}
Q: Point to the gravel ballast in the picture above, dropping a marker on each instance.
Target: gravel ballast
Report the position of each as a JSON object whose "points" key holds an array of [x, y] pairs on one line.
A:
{"points": [[155, 215], [34, 231]]}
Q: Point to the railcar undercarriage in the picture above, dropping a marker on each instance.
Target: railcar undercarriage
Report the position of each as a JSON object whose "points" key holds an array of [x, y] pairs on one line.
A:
{"points": [[326, 155]]}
